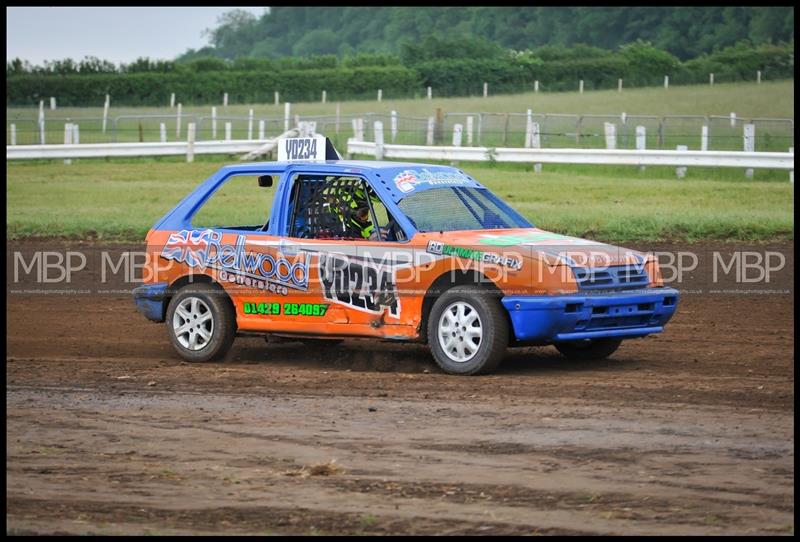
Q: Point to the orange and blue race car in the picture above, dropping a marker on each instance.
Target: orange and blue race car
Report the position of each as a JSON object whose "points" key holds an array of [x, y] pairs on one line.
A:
{"points": [[389, 251]]}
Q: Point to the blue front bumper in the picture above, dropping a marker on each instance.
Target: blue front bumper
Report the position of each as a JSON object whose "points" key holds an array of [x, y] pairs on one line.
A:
{"points": [[593, 316], [149, 300]]}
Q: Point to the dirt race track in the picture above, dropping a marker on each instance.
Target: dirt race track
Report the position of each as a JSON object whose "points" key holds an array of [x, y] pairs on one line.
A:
{"points": [[687, 432]]}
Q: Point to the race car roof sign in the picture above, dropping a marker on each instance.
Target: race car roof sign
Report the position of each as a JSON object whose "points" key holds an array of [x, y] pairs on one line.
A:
{"points": [[314, 149]]}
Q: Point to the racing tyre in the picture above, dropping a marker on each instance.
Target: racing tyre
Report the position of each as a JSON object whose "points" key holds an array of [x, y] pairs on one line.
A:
{"points": [[589, 349], [467, 331], [201, 323]]}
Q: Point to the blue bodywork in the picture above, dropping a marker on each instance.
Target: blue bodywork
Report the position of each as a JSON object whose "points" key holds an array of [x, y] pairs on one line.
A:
{"points": [[591, 316], [379, 175], [149, 300]]}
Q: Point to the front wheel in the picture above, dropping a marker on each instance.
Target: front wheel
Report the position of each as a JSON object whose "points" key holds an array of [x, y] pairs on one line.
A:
{"points": [[201, 323], [589, 349], [467, 331]]}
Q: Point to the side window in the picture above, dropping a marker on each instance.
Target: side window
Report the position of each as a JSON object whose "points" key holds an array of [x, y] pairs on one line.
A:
{"points": [[240, 203], [337, 207]]}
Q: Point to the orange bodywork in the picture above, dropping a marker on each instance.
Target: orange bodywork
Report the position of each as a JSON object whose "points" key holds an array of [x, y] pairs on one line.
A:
{"points": [[369, 288]]}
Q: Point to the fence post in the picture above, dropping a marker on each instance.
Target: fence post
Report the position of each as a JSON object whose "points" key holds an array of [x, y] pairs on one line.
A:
{"points": [[141, 132], [791, 173], [611, 135], [380, 94], [536, 86], [578, 127], [641, 141], [438, 130], [505, 130], [250, 125], [480, 127], [287, 108], [41, 122], [429, 135], [358, 129], [378, 126], [394, 125], [190, 143], [178, 127], [163, 129], [458, 130], [580, 86], [67, 139], [711, 79], [105, 111], [469, 131], [225, 100], [536, 143], [277, 98], [52, 103], [76, 134], [704, 138], [430, 93], [261, 127], [324, 96], [485, 89], [733, 119], [214, 122], [619, 85], [749, 145], [758, 76], [13, 134], [661, 133], [172, 100], [681, 171], [528, 121], [666, 81], [227, 131]]}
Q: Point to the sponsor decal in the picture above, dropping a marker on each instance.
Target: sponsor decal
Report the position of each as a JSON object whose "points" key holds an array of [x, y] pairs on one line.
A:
{"points": [[289, 309], [441, 249], [408, 180], [360, 285], [204, 249]]}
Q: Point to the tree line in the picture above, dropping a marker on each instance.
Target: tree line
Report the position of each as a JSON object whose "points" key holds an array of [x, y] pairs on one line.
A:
{"points": [[684, 31], [452, 66]]}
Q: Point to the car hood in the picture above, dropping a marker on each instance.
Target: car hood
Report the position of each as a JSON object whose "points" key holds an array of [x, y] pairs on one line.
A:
{"points": [[553, 248]]}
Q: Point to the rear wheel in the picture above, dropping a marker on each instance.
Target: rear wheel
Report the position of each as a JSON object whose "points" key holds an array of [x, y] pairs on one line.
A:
{"points": [[467, 331], [201, 323], [589, 349]]}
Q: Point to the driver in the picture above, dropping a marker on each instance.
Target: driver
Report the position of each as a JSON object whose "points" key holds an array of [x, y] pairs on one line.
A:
{"points": [[356, 217]]}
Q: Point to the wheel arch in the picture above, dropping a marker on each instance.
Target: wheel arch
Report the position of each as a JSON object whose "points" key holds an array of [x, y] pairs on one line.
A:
{"points": [[448, 280], [196, 278]]}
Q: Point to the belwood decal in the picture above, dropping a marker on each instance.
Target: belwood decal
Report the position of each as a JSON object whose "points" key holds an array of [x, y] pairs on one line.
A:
{"points": [[361, 285], [441, 249], [262, 270]]}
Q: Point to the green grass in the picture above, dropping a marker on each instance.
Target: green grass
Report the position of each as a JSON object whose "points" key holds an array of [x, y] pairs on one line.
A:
{"points": [[771, 99], [122, 199]]}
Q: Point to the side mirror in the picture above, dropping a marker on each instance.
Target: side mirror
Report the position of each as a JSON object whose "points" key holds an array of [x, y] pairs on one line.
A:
{"points": [[265, 181]]}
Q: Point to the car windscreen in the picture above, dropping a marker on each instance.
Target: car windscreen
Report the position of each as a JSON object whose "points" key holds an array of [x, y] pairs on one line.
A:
{"points": [[453, 209]]}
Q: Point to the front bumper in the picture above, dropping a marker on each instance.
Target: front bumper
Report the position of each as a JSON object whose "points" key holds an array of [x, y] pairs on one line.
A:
{"points": [[591, 316], [149, 300]]}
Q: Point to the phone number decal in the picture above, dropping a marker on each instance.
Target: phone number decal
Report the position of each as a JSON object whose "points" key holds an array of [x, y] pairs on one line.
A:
{"points": [[288, 309]]}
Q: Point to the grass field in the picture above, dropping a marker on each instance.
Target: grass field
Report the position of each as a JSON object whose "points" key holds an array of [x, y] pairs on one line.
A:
{"points": [[769, 99], [122, 199], [748, 100]]}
